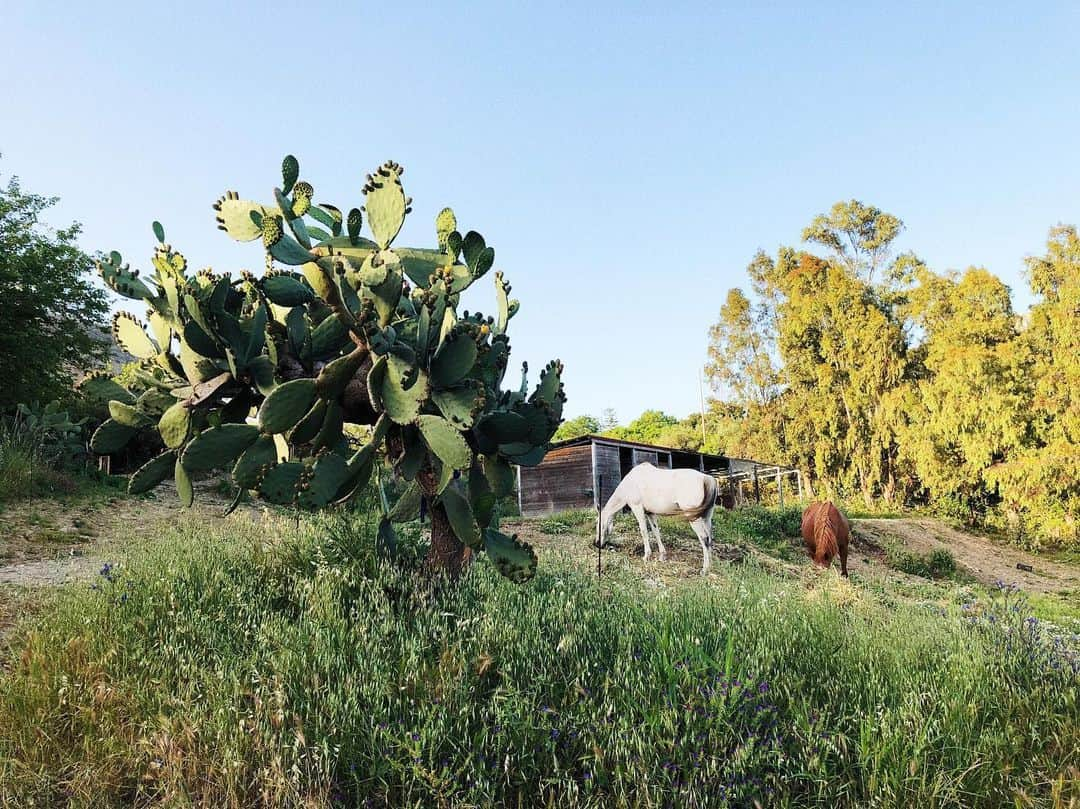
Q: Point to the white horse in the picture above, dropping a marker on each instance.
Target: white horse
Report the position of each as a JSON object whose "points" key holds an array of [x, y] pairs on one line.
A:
{"points": [[649, 492]]}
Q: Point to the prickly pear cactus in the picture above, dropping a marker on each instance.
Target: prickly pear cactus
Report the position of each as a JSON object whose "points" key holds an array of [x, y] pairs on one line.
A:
{"points": [[258, 375]]}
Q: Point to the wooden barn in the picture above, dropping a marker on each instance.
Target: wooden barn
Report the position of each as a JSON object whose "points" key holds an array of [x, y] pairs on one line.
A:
{"points": [[583, 472]]}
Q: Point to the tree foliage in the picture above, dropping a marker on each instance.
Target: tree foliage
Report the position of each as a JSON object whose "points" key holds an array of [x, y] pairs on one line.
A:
{"points": [[53, 315], [907, 384]]}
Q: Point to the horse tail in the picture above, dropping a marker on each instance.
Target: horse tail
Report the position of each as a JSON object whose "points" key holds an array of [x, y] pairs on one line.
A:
{"points": [[825, 539], [709, 499]]}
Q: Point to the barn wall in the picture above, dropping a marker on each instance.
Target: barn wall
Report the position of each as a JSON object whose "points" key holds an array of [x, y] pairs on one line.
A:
{"points": [[562, 481], [646, 456], [607, 464]]}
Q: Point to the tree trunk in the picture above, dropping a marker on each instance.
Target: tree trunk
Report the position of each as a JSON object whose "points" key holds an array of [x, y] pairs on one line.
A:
{"points": [[447, 554]]}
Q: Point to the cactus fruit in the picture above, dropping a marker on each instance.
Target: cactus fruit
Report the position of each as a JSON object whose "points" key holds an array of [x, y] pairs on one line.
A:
{"points": [[362, 332]]}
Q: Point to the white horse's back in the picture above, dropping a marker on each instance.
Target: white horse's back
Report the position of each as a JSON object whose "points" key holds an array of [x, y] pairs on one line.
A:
{"points": [[648, 491], [669, 492]]}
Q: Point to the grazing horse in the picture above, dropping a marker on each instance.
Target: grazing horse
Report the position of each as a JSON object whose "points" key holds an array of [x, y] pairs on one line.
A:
{"points": [[649, 492], [825, 533]]}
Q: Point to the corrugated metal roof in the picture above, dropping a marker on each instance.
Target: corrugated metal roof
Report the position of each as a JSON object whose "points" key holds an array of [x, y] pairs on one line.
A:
{"points": [[603, 439]]}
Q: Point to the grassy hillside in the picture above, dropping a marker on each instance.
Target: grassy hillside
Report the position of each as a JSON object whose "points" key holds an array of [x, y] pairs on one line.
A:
{"points": [[243, 662]]}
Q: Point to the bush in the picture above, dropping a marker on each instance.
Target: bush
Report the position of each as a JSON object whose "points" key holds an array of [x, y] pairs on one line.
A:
{"points": [[938, 564], [214, 669], [28, 467]]}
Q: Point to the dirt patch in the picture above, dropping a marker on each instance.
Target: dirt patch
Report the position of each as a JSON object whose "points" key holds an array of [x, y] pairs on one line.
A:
{"points": [[986, 560], [45, 542]]}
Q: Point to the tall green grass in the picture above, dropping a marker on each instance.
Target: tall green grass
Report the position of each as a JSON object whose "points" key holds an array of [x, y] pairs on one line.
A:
{"points": [[216, 668]]}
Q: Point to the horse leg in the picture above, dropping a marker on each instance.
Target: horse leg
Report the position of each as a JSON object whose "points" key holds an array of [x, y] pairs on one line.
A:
{"points": [[843, 559], [654, 524], [639, 513], [703, 529]]}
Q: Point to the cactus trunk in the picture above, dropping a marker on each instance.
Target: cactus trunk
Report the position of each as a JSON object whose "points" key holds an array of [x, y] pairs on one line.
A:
{"points": [[447, 555]]}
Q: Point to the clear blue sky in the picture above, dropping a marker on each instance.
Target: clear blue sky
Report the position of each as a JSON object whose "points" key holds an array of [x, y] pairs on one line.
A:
{"points": [[625, 160]]}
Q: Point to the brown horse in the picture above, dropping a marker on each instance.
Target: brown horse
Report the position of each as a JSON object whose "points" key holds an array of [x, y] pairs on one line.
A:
{"points": [[825, 533]]}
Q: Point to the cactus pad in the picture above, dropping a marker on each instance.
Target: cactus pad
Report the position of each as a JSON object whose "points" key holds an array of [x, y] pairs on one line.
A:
{"points": [[255, 461], [309, 425], [281, 484], [513, 558], [285, 290], [460, 405], [290, 170], [184, 488], [131, 337], [499, 474], [175, 425], [444, 440], [286, 405], [100, 387], [240, 218], [218, 447], [151, 473], [385, 203], [402, 404], [407, 507], [128, 415], [453, 361], [327, 476], [460, 514], [110, 437]]}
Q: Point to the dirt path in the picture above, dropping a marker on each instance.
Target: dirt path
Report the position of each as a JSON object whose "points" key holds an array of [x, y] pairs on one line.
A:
{"points": [[986, 560], [47, 542]]}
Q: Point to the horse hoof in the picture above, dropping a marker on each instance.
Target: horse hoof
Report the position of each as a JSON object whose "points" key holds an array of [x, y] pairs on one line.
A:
{"points": [[663, 557]]}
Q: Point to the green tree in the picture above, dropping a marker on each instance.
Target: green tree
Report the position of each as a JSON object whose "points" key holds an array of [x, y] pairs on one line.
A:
{"points": [[843, 352], [576, 427], [857, 235], [646, 428], [968, 411], [1040, 484], [740, 361], [51, 311]]}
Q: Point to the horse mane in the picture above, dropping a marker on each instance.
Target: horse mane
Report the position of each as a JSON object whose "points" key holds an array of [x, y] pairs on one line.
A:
{"points": [[825, 541]]}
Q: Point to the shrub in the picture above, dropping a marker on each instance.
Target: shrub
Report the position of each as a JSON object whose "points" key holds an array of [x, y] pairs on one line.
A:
{"points": [[938, 564]]}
